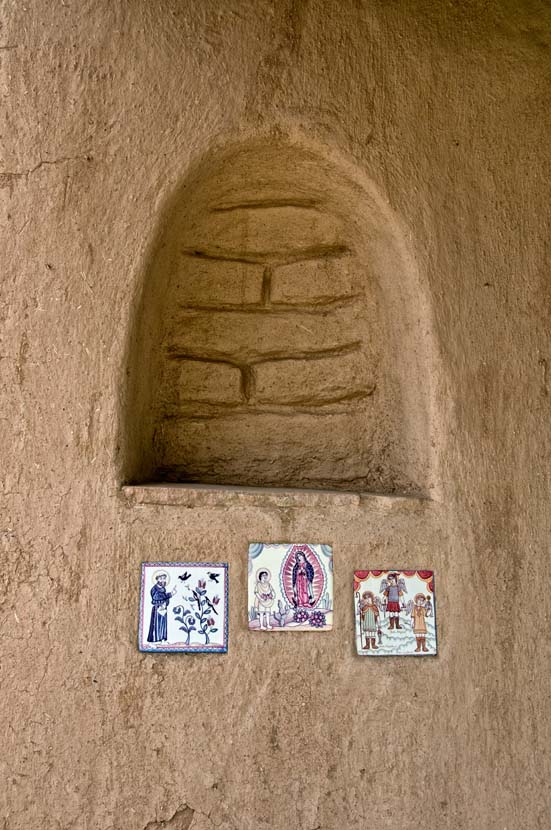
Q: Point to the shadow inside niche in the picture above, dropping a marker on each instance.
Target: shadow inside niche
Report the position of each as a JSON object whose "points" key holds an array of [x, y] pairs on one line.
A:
{"points": [[275, 343]]}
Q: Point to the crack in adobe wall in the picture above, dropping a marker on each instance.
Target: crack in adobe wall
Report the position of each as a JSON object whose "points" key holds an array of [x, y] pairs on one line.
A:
{"points": [[19, 174]]}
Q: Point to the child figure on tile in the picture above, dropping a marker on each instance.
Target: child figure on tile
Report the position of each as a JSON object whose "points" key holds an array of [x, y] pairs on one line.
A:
{"points": [[418, 614], [369, 617], [264, 598]]}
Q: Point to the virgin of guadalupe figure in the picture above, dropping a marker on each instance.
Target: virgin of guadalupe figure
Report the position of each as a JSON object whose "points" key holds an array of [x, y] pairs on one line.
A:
{"points": [[303, 576], [160, 599], [264, 596]]}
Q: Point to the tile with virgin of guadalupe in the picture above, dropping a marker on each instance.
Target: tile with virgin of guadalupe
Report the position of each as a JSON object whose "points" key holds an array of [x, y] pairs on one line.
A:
{"points": [[290, 587]]}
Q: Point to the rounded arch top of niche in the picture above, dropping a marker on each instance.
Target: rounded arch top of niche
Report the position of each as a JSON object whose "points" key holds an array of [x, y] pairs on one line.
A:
{"points": [[278, 340]]}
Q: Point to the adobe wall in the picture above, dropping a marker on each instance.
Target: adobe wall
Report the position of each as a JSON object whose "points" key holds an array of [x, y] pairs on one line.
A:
{"points": [[438, 114]]}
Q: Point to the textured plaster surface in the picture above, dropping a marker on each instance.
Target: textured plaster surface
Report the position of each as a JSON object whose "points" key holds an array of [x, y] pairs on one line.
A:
{"points": [[281, 335], [106, 107]]}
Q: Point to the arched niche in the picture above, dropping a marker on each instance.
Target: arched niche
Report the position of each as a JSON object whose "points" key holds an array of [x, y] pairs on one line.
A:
{"points": [[280, 338]]}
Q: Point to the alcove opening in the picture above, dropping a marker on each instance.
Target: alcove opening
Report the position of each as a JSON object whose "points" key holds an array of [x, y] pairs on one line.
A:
{"points": [[279, 339]]}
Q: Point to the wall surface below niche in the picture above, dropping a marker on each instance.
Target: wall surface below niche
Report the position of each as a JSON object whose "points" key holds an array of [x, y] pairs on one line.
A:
{"points": [[445, 107]]}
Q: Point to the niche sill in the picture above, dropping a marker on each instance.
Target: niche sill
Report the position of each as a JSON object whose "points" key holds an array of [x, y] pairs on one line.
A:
{"points": [[218, 495]]}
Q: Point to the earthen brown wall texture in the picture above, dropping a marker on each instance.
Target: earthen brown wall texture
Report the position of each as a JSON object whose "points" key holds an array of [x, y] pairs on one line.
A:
{"points": [[298, 244]]}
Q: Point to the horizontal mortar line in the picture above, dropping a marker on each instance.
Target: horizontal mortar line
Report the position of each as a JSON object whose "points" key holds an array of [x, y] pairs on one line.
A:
{"points": [[240, 409], [357, 395], [199, 358], [287, 412], [192, 409], [184, 409], [252, 414], [263, 204], [319, 306], [273, 257], [266, 357]]}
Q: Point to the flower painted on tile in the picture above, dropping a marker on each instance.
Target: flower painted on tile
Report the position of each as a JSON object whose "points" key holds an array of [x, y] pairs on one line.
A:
{"points": [[300, 616], [317, 619]]}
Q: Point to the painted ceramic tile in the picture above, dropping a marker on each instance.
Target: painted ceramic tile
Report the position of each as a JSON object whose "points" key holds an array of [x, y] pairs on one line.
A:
{"points": [[395, 613], [184, 607], [290, 587]]}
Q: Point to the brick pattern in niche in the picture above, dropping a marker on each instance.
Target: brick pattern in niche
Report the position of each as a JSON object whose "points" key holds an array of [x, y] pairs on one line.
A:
{"points": [[267, 353], [264, 358]]}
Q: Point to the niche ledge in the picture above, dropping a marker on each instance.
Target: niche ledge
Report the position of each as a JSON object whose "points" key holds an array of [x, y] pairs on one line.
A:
{"points": [[218, 495]]}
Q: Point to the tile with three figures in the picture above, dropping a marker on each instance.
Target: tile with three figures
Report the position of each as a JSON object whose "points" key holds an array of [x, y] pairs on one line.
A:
{"points": [[395, 613]]}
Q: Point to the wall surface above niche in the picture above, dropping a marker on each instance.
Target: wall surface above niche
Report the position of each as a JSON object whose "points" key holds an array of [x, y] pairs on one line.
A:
{"points": [[278, 340]]}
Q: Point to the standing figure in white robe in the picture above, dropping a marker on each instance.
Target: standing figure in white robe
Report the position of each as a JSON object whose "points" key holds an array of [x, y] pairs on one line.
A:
{"points": [[264, 598]]}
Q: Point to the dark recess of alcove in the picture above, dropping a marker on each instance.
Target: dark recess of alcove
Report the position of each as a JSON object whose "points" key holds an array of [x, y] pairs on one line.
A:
{"points": [[276, 342]]}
